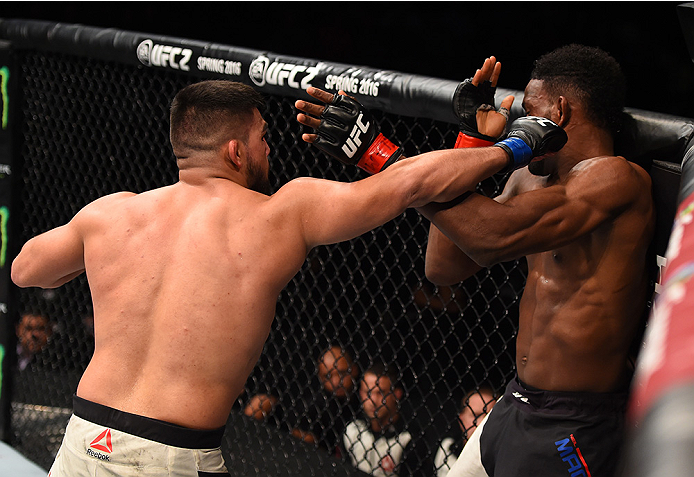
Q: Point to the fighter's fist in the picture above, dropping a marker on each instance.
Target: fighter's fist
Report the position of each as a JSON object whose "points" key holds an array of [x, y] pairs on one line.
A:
{"points": [[347, 131], [530, 137]]}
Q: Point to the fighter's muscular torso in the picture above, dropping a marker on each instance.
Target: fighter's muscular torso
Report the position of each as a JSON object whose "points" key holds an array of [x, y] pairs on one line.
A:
{"points": [[585, 231], [583, 301]]}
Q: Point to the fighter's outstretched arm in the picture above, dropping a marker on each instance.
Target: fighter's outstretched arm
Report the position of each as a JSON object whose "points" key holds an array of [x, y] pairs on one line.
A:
{"points": [[331, 211], [347, 210]]}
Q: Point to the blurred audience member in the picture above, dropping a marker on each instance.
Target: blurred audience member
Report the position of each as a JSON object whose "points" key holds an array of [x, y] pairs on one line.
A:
{"points": [[380, 442], [473, 408], [328, 411], [33, 332]]}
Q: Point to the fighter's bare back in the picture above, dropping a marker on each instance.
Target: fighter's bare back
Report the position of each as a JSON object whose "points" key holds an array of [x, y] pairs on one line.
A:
{"points": [[186, 334]]}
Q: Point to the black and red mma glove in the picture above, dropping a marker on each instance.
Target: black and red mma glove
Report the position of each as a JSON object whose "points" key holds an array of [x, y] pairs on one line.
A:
{"points": [[349, 133], [467, 99]]}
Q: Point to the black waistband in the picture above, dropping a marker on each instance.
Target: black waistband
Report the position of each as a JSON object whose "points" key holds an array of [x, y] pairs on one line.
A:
{"points": [[561, 401], [147, 428]]}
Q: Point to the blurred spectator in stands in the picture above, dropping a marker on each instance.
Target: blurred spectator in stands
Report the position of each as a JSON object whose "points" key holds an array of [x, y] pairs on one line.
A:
{"points": [[473, 408], [322, 411], [260, 406], [33, 332], [380, 442], [327, 412]]}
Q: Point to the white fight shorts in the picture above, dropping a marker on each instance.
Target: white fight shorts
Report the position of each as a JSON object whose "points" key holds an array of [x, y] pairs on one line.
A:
{"points": [[101, 441]]}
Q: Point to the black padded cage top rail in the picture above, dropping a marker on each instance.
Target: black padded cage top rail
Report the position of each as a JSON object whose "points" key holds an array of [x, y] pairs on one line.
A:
{"points": [[92, 119]]}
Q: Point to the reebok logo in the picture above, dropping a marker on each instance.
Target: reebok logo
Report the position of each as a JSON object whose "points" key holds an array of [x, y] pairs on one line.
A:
{"points": [[101, 443], [354, 140]]}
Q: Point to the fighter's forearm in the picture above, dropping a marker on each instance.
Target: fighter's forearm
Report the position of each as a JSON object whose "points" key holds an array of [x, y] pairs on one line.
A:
{"points": [[442, 176], [445, 262], [463, 237]]}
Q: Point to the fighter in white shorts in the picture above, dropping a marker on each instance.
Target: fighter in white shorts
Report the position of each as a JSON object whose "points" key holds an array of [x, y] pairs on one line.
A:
{"points": [[127, 445]]}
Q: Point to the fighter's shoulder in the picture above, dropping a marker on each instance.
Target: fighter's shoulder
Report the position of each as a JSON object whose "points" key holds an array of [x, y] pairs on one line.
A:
{"points": [[106, 203], [612, 170], [302, 190], [297, 185], [115, 197], [288, 203], [603, 164], [611, 181]]}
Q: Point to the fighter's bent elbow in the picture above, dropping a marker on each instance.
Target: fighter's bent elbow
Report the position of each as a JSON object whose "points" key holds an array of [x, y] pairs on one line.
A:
{"points": [[18, 274], [440, 275]]}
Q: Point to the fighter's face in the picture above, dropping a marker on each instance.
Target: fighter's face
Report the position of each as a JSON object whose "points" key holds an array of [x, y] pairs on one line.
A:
{"points": [[537, 102], [257, 166]]}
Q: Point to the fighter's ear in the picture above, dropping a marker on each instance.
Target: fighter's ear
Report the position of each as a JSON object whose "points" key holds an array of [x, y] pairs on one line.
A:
{"points": [[235, 153], [562, 111]]}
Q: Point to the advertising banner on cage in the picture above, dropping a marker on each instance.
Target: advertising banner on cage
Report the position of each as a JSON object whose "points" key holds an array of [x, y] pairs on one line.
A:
{"points": [[395, 92]]}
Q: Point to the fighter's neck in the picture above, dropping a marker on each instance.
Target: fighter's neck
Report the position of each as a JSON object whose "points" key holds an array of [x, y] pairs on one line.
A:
{"points": [[206, 175], [585, 142]]}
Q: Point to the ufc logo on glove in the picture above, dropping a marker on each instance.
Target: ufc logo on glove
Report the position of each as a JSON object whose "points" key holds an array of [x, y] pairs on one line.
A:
{"points": [[354, 139]]}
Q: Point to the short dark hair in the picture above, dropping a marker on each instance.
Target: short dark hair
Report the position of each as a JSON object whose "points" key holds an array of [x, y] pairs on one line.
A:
{"points": [[381, 369], [204, 114], [590, 74]]}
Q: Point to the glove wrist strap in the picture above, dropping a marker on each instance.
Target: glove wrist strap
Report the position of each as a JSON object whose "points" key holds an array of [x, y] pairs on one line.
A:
{"points": [[518, 151], [380, 154], [468, 141]]}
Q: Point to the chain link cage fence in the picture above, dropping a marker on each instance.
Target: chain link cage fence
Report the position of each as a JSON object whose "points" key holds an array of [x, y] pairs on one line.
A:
{"points": [[93, 120], [91, 127]]}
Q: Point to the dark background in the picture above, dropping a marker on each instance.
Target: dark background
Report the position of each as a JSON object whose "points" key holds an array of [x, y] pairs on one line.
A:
{"points": [[441, 39]]}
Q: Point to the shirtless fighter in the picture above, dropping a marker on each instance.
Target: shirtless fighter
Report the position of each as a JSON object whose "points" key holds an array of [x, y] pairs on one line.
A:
{"points": [[584, 219], [184, 278]]}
